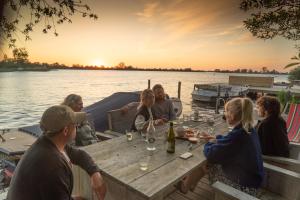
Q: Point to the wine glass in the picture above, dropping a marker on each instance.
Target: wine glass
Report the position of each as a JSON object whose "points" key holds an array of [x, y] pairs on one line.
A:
{"points": [[210, 122]]}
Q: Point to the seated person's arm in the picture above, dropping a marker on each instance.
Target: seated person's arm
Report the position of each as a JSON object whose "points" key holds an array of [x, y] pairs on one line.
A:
{"points": [[220, 151], [140, 123], [127, 107], [56, 186], [82, 159]]}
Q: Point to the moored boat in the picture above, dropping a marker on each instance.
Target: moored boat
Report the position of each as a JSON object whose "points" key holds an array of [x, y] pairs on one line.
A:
{"points": [[209, 93]]}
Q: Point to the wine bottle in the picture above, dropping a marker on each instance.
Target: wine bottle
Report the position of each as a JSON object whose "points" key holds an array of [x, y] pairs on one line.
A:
{"points": [[171, 139], [151, 135]]}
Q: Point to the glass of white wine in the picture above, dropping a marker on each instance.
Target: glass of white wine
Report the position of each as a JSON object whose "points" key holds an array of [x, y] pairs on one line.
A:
{"points": [[144, 162], [211, 122], [129, 135]]}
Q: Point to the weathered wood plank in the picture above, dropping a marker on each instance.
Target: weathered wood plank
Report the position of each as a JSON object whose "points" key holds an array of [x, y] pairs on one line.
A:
{"points": [[251, 81], [286, 163], [204, 190], [280, 181], [16, 143], [223, 191], [119, 161], [294, 150], [124, 162], [154, 183]]}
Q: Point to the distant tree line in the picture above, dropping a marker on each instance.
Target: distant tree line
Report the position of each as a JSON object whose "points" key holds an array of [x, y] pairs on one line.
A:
{"points": [[264, 70], [20, 62]]}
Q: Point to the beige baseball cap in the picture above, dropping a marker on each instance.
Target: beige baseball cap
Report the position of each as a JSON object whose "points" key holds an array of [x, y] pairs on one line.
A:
{"points": [[56, 118]]}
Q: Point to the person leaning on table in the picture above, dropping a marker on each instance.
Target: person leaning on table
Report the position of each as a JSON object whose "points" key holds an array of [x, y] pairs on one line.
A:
{"points": [[234, 158], [45, 170]]}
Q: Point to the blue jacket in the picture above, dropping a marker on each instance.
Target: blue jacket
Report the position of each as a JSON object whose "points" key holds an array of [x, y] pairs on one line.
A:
{"points": [[239, 154]]}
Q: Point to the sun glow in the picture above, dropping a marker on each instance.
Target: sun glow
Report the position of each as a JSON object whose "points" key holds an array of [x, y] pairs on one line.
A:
{"points": [[98, 63]]}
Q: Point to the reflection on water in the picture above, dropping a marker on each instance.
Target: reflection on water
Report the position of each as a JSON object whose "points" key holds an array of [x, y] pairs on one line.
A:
{"points": [[25, 95]]}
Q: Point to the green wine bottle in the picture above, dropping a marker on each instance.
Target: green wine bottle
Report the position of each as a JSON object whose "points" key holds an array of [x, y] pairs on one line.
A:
{"points": [[171, 139]]}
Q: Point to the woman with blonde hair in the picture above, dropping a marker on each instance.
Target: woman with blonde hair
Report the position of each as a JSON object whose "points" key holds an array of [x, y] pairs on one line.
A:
{"points": [[234, 158], [85, 134], [145, 112]]}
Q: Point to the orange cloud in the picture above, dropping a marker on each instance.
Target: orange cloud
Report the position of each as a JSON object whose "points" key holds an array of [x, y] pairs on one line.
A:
{"points": [[242, 39]]}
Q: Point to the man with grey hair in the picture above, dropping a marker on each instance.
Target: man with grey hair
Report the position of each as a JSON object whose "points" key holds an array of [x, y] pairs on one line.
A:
{"points": [[163, 107], [44, 172]]}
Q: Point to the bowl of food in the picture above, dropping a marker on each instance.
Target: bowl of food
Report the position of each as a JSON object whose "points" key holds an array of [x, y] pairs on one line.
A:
{"points": [[189, 133], [180, 131]]}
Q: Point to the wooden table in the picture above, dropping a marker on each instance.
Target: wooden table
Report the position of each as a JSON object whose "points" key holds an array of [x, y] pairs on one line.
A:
{"points": [[119, 161], [16, 143]]}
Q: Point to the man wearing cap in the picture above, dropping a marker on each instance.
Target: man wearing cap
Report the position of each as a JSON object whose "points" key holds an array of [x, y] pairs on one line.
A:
{"points": [[44, 172]]}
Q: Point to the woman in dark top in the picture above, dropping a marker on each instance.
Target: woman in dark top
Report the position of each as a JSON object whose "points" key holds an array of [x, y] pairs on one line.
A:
{"points": [[145, 112], [272, 130]]}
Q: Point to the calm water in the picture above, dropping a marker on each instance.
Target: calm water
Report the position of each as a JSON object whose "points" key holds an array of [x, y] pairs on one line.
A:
{"points": [[25, 95]]}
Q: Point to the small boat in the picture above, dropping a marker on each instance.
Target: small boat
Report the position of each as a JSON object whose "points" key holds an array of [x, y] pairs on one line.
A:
{"points": [[209, 93]]}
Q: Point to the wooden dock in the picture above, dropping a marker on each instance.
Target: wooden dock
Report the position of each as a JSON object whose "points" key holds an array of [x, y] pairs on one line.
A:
{"points": [[203, 191], [261, 84], [274, 90]]}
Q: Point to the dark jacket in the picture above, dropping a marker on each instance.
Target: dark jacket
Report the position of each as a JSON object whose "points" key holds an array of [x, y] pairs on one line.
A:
{"points": [[273, 138], [239, 154], [143, 111], [45, 174]]}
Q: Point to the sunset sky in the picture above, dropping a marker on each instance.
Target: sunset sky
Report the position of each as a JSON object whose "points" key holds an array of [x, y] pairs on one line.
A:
{"points": [[200, 34]]}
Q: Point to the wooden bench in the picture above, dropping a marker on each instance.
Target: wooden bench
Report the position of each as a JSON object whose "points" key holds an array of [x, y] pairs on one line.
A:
{"points": [[251, 81], [294, 150], [286, 163], [120, 121], [279, 184]]}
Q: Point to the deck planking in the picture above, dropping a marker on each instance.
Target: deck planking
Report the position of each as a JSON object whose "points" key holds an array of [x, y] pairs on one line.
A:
{"points": [[203, 191]]}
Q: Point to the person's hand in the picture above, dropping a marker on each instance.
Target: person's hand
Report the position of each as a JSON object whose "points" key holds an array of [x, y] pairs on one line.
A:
{"points": [[78, 198], [125, 109], [98, 185], [165, 120], [159, 122], [207, 137]]}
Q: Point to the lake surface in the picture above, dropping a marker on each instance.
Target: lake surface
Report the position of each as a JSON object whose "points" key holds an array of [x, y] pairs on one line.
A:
{"points": [[25, 95]]}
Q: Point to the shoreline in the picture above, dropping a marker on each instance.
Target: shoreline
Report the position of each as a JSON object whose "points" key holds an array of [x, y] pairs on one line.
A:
{"points": [[130, 70]]}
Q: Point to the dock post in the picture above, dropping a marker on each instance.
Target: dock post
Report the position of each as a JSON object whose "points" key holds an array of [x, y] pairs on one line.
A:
{"points": [[179, 89], [218, 99], [149, 83]]}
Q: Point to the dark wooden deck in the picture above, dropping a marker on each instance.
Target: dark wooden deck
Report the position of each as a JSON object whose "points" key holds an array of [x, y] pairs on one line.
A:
{"points": [[203, 191]]}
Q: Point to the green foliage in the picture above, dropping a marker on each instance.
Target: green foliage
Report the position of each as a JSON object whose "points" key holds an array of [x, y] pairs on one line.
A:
{"points": [[295, 100], [271, 18], [49, 13], [297, 63], [294, 74], [285, 97], [282, 97], [20, 55]]}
